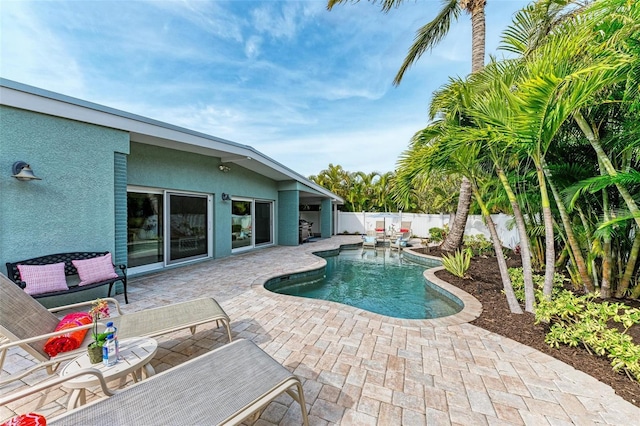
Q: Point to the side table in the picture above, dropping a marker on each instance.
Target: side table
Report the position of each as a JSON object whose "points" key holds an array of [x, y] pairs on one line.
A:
{"points": [[135, 359]]}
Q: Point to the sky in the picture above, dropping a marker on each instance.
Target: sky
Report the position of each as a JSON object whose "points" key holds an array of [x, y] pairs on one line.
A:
{"points": [[303, 85]]}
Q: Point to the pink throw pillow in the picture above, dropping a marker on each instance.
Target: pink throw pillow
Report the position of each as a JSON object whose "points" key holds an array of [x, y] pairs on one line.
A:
{"points": [[43, 278], [95, 270]]}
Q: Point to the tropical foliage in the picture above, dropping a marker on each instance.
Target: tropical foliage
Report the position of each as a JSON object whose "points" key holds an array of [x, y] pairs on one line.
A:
{"points": [[436, 193], [553, 131]]}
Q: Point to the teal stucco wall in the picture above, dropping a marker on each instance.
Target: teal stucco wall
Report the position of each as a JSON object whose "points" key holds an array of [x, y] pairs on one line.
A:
{"points": [[326, 217], [72, 207], [288, 217], [168, 169]]}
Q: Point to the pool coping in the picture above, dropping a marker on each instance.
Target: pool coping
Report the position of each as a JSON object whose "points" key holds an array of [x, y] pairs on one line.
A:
{"points": [[471, 309]]}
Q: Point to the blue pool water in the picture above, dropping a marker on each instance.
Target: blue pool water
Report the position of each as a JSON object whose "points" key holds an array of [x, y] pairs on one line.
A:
{"points": [[378, 281]]}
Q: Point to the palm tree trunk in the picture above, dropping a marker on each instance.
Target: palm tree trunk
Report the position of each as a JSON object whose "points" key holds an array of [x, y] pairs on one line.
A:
{"points": [[454, 239], [478, 35], [525, 245], [514, 306], [605, 285], [611, 171], [571, 238], [478, 41], [550, 251], [631, 266]]}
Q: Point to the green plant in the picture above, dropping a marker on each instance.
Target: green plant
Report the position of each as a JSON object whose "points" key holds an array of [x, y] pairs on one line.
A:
{"points": [[479, 245], [517, 281], [437, 235], [458, 262], [579, 320]]}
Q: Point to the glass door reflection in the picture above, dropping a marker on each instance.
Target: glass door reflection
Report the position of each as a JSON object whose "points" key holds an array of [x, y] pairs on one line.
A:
{"points": [[241, 224]]}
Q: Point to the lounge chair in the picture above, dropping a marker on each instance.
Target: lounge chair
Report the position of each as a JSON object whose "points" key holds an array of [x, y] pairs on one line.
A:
{"points": [[225, 386], [405, 230], [24, 322], [369, 240], [380, 229]]}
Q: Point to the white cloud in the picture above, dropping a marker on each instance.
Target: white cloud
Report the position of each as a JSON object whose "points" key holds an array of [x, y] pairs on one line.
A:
{"points": [[252, 47]]}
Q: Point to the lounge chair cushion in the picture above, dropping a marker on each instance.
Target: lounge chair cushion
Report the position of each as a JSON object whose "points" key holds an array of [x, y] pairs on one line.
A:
{"points": [[43, 278], [30, 419], [369, 239], [95, 269], [404, 230], [70, 341]]}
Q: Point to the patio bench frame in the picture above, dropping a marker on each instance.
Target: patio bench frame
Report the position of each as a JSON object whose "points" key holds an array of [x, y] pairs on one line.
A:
{"points": [[69, 270]]}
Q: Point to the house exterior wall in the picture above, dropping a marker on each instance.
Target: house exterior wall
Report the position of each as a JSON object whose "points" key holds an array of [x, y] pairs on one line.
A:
{"points": [[72, 207], [155, 167], [288, 222]]}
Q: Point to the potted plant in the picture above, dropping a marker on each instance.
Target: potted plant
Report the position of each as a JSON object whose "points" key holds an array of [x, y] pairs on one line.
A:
{"points": [[100, 309]]}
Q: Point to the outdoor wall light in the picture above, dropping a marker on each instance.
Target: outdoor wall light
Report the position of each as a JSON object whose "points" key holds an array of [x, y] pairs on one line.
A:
{"points": [[22, 171], [226, 197], [224, 168]]}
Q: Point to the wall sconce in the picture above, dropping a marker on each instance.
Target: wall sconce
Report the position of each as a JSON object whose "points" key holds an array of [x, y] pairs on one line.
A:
{"points": [[22, 171], [226, 197], [223, 168]]}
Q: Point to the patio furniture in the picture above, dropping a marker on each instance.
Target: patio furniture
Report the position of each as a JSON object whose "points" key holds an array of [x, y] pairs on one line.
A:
{"points": [[26, 323], [380, 229], [135, 359], [369, 240], [225, 386], [70, 271]]}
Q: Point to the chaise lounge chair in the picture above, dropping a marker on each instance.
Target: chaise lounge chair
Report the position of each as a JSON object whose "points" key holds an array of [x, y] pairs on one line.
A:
{"points": [[369, 240], [224, 386], [24, 322], [380, 229]]}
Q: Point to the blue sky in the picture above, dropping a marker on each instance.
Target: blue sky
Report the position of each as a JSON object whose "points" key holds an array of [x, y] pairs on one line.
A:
{"points": [[305, 86]]}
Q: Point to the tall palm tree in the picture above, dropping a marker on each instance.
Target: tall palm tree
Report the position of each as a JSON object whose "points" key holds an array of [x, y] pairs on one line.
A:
{"points": [[427, 37]]}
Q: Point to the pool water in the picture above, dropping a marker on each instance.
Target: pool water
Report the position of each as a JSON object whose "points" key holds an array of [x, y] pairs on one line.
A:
{"points": [[377, 281]]}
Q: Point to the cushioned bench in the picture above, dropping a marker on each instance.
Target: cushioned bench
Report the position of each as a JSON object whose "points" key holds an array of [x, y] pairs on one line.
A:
{"points": [[71, 273]]}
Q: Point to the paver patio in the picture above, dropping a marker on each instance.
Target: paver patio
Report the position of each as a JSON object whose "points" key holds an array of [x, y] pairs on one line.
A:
{"points": [[360, 368]]}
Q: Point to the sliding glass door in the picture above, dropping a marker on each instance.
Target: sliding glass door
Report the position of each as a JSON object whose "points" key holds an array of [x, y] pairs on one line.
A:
{"points": [[263, 219], [251, 223], [188, 236], [145, 229], [167, 228], [241, 223]]}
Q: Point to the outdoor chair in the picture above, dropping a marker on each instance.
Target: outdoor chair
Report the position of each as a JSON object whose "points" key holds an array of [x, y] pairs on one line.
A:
{"points": [[369, 240], [24, 322], [225, 386], [380, 229]]}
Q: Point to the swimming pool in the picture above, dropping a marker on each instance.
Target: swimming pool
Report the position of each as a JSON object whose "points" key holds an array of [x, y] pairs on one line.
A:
{"points": [[378, 281]]}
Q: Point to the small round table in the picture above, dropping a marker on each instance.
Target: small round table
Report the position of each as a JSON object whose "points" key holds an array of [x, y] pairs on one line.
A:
{"points": [[135, 359]]}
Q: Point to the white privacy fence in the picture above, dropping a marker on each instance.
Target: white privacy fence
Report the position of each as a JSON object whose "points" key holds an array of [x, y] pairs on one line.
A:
{"points": [[421, 223]]}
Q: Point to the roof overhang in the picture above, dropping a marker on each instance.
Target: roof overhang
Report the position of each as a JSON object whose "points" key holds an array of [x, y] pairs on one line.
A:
{"points": [[152, 132]]}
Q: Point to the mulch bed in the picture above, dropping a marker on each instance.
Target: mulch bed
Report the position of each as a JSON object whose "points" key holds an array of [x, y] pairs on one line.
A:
{"points": [[485, 285]]}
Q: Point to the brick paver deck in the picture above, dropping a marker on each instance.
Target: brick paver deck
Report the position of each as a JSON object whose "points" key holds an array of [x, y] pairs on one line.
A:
{"points": [[360, 368]]}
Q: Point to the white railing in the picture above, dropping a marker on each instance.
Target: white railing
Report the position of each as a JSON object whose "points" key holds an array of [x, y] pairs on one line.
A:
{"points": [[421, 223]]}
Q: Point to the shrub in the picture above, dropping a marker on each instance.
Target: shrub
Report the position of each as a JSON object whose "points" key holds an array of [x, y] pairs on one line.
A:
{"points": [[578, 320], [437, 235], [479, 245], [457, 263], [517, 282]]}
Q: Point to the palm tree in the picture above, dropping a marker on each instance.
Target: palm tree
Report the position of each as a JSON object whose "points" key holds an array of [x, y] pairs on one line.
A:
{"points": [[437, 148], [427, 37]]}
